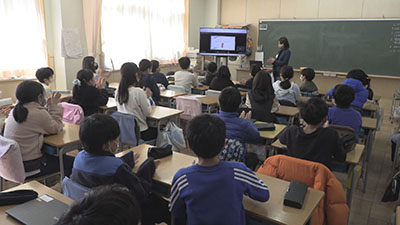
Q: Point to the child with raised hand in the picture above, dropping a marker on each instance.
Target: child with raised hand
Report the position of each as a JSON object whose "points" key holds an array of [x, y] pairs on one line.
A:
{"points": [[286, 91], [211, 191]]}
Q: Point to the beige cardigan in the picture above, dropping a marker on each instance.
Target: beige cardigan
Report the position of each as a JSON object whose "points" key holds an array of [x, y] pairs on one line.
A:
{"points": [[29, 134]]}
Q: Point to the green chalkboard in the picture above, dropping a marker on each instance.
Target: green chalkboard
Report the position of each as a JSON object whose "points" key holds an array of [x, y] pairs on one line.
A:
{"points": [[336, 45]]}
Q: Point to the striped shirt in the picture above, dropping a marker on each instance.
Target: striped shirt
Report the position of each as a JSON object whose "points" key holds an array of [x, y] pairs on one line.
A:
{"points": [[214, 194]]}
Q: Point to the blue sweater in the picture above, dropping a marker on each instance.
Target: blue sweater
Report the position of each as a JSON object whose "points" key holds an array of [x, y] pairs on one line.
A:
{"points": [[237, 128], [214, 194], [360, 93], [345, 117]]}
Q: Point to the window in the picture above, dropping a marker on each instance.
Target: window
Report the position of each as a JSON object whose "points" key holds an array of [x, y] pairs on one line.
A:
{"points": [[23, 46], [133, 30]]}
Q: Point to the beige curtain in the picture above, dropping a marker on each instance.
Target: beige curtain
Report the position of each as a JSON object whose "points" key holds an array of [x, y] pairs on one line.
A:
{"points": [[92, 18], [23, 41]]}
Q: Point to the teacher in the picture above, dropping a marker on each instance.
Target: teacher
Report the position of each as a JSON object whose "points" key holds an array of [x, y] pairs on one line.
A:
{"points": [[282, 57]]}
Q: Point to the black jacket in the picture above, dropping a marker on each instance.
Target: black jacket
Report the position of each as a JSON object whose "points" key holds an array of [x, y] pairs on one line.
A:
{"points": [[261, 104], [220, 83], [90, 99], [282, 59]]}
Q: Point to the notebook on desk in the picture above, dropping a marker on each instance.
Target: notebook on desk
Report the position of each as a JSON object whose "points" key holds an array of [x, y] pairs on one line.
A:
{"points": [[44, 210]]}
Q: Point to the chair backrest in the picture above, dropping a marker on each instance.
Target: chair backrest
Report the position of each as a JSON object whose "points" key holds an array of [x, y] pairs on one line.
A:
{"points": [[191, 107], [72, 113], [11, 165], [174, 87], [333, 208], [73, 190], [343, 130], [129, 129], [234, 150], [213, 93]]}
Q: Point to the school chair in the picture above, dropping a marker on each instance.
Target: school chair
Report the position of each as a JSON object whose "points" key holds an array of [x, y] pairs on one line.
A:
{"points": [[213, 93], [191, 108], [73, 190], [129, 129], [72, 113], [332, 209], [11, 165], [174, 87]]}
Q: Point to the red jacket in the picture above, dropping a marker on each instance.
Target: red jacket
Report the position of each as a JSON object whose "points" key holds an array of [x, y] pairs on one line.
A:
{"points": [[332, 210]]}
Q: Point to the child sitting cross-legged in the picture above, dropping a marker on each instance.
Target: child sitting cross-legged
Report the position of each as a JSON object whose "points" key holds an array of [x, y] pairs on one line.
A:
{"points": [[211, 191]]}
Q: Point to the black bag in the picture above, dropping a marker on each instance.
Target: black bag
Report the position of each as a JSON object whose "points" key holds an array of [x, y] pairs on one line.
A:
{"points": [[295, 194], [17, 197], [348, 142], [392, 191], [129, 158], [160, 152], [265, 126]]}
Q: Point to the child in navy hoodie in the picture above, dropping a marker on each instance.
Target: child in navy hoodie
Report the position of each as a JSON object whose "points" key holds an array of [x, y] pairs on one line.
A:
{"points": [[211, 191]]}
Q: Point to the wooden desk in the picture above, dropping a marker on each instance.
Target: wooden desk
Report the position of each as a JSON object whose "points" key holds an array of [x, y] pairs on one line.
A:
{"points": [[271, 135], [168, 166], [161, 115], [170, 95], [273, 210], [65, 141], [369, 123], [353, 158], [289, 111], [65, 97], [111, 104], [113, 85], [40, 189], [200, 90]]}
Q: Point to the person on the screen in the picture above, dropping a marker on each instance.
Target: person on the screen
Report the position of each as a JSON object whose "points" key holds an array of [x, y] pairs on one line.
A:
{"points": [[282, 58]]}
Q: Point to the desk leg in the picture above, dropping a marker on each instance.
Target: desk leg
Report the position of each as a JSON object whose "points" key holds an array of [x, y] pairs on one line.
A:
{"points": [[209, 109], [61, 163], [349, 191]]}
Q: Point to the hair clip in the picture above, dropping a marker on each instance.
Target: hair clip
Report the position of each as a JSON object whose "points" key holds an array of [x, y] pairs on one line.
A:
{"points": [[76, 82]]}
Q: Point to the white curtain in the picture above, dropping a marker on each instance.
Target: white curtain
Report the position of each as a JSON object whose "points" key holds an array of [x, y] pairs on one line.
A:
{"points": [[91, 17], [23, 46], [133, 30]]}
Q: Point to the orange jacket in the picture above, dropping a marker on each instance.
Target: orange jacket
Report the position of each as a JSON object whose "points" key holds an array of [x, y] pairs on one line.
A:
{"points": [[332, 210]]}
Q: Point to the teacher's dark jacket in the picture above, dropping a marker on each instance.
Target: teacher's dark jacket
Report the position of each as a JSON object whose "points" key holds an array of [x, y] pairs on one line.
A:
{"points": [[282, 59]]}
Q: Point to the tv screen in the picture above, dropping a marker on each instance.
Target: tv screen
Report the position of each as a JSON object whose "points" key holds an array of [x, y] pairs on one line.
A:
{"points": [[223, 41]]}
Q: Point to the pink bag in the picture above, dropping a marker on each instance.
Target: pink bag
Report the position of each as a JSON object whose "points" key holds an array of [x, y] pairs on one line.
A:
{"points": [[72, 113]]}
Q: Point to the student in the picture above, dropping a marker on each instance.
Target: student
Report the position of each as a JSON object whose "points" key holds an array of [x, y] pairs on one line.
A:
{"points": [[343, 114], [211, 73], [159, 77], [185, 78], [313, 141], [286, 91], [104, 205], [211, 191], [45, 75], [88, 93], [96, 165], [254, 69], [89, 63], [134, 100], [261, 98], [27, 124], [355, 79], [148, 80], [237, 127], [308, 87], [222, 80], [282, 57]]}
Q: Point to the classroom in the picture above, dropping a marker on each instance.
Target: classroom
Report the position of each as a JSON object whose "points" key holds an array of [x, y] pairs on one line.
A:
{"points": [[200, 112]]}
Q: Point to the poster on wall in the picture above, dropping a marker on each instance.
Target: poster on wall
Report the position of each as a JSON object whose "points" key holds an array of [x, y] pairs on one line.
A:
{"points": [[71, 44]]}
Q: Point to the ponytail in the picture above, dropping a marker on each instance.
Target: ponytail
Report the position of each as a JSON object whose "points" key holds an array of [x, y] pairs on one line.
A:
{"points": [[27, 91], [286, 74]]}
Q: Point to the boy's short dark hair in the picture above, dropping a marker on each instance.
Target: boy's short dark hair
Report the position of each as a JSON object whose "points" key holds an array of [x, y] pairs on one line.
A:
{"points": [[184, 62], [313, 111], [308, 73], [343, 95], [44, 73], [360, 75], [144, 65], [112, 204], [206, 135], [96, 130], [229, 99], [254, 69], [212, 67]]}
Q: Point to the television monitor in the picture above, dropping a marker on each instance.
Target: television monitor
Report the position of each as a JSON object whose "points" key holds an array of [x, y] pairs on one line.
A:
{"points": [[223, 41]]}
